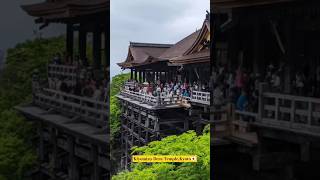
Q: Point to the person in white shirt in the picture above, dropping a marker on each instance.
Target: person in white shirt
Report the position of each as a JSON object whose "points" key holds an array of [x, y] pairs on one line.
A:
{"points": [[218, 96], [97, 93], [276, 81]]}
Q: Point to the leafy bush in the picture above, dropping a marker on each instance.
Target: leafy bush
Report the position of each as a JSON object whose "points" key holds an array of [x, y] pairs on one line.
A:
{"points": [[116, 84], [185, 144], [16, 153]]}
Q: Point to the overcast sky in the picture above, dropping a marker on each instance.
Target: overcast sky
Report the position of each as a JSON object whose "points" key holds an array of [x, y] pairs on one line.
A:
{"points": [[159, 21], [16, 26]]}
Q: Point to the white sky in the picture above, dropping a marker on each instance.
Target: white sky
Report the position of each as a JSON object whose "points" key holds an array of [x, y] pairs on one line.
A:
{"points": [[153, 21], [17, 26]]}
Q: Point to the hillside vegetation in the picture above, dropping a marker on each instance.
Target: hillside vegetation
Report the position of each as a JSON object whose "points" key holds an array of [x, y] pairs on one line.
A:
{"points": [[17, 155]]}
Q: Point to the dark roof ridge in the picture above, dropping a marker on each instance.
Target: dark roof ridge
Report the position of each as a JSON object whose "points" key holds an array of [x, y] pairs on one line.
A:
{"points": [[155, 45]]}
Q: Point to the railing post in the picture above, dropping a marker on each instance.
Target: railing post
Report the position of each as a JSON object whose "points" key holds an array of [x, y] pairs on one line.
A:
{"points": [[292, 111], [309, 113], [158, 99], [277, 108], [262, 89]]}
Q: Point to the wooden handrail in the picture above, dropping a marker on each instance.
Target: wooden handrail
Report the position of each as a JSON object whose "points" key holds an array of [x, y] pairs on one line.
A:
{"points": [[301, 112], [197, 96], [93, 111]]}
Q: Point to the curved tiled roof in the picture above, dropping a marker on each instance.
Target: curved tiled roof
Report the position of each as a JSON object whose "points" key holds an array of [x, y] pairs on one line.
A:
{"points": [[192, 54], [224, 4], [183, 52], [180, 47], [61, 9], [140, 53]]}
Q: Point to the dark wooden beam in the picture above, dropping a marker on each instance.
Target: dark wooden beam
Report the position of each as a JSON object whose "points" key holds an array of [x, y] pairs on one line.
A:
{"points": [[97, 47], [82, 42], [69, 40]]}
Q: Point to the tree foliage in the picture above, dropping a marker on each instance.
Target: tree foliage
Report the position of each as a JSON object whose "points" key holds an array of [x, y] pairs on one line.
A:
{"points": [[116, 84], [185, 144], [16, 153]]}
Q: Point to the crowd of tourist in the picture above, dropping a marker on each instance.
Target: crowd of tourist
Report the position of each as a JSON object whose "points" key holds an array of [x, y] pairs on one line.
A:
{"points": [[67, 59], [83, 84], [241, 86], [167, 89]]}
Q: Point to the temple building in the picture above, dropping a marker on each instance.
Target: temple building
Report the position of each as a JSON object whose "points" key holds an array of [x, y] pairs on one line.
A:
{"points": [[168, 92], [268, 125], [70, 107]]}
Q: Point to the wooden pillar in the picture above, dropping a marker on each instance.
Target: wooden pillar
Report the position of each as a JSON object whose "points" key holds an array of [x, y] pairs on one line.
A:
{"points": [[135, 75], [147, 123], [186, 124], [151, 76], [107, 42], [256, 47], [157, 128], [95, 160], [82, 42], [198, 125], [54, 151], [305, 151], [144, 76], [97, 47], [69, 40], [131, 74], [73, 164], [41, 142], [290, 55], [140, 76], [140, 125], [190, 75]]}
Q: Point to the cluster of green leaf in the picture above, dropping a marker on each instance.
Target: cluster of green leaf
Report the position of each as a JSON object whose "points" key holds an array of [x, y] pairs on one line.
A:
{"points": [[21, 62], [116, 84], [185, 144], [16, 153]]}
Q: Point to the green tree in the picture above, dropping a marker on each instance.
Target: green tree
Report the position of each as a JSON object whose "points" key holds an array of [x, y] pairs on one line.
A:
{"points": [[17, 155], [185, 144], [116, 84]]}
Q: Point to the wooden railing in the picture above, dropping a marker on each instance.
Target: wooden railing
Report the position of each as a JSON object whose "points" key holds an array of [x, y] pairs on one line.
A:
{"points": [[129, 85], [55, 70], [200, 97], [197, 97], [291, 112], [150, 99], [93, 111]]}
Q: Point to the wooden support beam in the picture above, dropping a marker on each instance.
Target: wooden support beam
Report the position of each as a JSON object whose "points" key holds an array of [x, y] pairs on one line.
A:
{"points": [[73, 170], [94, 159], [186, 124], [97, 47], [69, 40], [305, 151], [82, 43], [135, 75], [41, 141], [54, 152]]}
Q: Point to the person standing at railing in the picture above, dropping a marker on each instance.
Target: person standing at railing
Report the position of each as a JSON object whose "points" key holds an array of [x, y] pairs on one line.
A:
{"points": [[276, 81], [186, 93], [239, 80], [242, 101], [149, 89], [85, 62], [57, 59], [76, 61], [97, 95], [78, 87], [218, 96], [35, 81], [299, 83]]}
